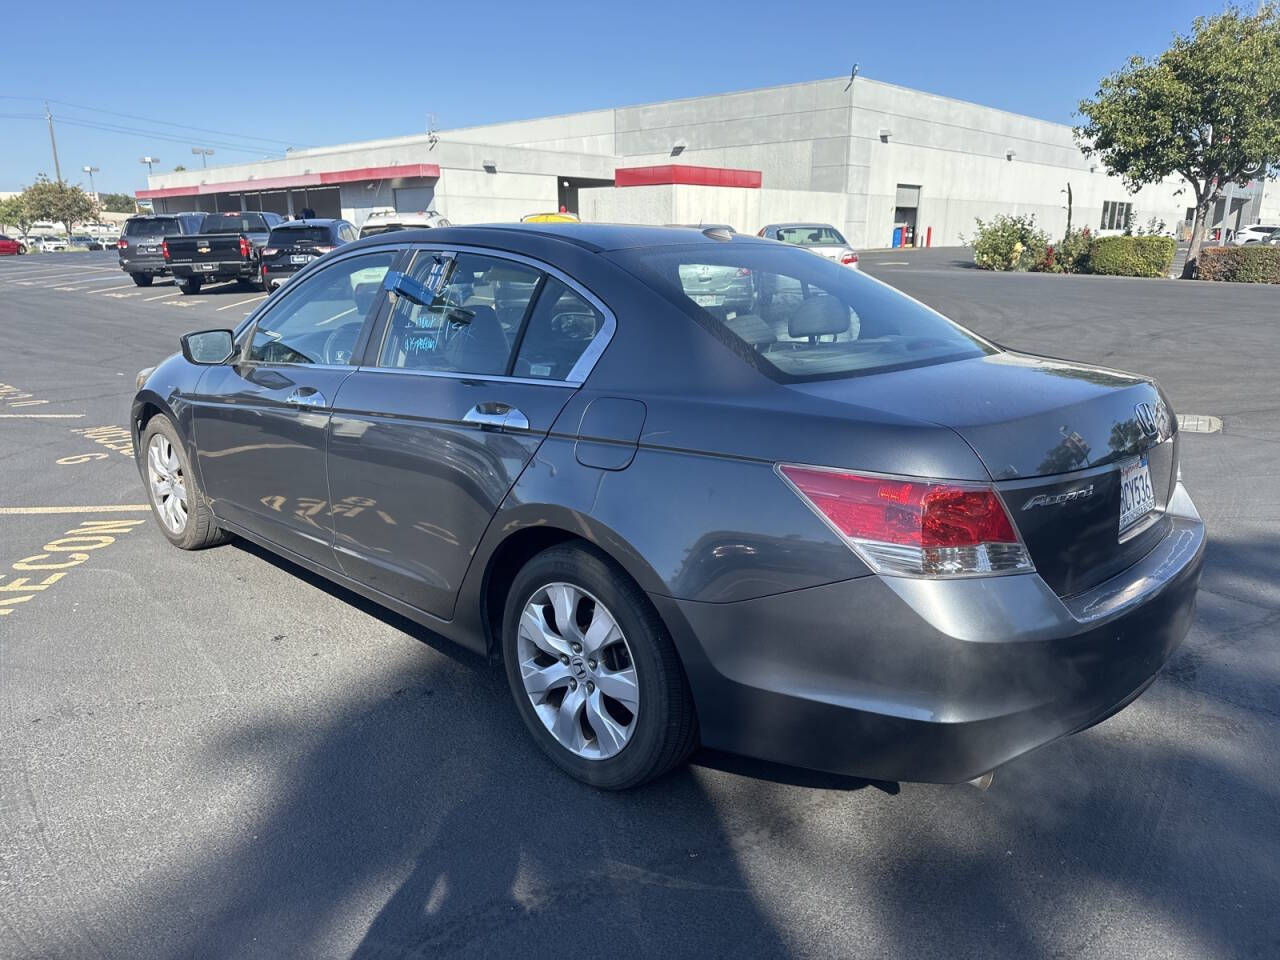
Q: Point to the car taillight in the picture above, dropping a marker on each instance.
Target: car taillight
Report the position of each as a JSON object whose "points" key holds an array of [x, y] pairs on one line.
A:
{"points": [[245, 247], [164, 248], [122, 244], [266, 251], [849, 258], [744, 272], [324, 249], [914, 528]]}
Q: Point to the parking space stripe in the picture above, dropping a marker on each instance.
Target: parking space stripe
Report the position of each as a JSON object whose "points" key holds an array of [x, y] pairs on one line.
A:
{"points": [[171, 293], [123, 286], [241, 303], [41, 416], [12, 276], [37, 278], [71, 284], [101, 508]]}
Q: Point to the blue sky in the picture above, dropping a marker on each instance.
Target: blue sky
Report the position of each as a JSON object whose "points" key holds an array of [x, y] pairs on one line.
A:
{"points": [[381, 68]]}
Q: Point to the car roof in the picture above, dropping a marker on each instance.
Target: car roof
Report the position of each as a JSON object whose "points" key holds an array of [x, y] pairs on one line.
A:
{"points": [[596, 237], [299, 223], [800, 223]]}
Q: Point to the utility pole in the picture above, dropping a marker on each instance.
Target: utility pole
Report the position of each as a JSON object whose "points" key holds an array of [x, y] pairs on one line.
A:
{"points": [[52, 142], [205, 152]]}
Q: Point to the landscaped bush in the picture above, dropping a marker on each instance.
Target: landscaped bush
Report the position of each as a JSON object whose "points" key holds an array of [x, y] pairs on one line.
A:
{"points": [[1132, 256], [1010, 243], [1251, 263], [1071, 253]]}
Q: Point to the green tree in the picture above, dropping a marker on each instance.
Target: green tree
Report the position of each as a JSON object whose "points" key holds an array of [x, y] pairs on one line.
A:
{"points": [[59, 202], [179, 168], [117, 202], [1207, 110], [14, 212]]}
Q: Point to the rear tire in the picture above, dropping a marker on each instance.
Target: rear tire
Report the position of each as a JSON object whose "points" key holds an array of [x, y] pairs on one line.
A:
{"points": [[189, 286], [636, 659], [246, 283], [141, 279], [177, 502]]}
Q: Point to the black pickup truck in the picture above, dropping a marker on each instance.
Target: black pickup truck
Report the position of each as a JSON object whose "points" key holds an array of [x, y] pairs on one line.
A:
{"points": [[226, 248]]}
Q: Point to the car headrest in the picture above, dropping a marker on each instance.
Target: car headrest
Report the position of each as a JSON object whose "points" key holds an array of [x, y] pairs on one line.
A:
{"points": [[480, 346], [817, 316]]}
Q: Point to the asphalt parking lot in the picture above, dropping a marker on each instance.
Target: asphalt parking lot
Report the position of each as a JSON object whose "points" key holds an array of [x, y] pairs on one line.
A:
{"points": [[217, 755]]}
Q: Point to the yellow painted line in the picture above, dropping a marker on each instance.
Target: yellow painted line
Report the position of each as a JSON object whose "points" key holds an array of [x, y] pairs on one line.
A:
{"points": [[101, 508], [171, 293], [241, 303], [42, 416]]}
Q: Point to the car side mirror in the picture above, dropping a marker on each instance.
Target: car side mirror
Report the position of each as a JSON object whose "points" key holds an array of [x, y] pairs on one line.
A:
{"points": [[209, 348], [405, 286]]}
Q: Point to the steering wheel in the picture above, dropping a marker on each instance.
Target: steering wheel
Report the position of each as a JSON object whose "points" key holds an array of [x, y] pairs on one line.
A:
{"points": [[339, 344]]}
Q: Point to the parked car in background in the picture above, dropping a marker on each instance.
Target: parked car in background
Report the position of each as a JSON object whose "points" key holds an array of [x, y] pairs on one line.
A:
{"points": [[1257, 233], [721, 290], [389, 221], [141, 242], [839, 531], [293, 244], [53, 244], [11, 246], [88, 242], [549, 218], [820, 238], [226, 247]]}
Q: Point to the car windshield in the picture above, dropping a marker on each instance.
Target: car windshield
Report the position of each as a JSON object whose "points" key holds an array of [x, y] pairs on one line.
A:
{"points": [[283, 236], [151, 228], [812, 236], [233, 223], [798, 317]]}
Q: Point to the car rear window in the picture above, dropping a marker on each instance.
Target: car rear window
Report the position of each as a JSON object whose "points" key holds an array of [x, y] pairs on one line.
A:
{"points": [[233, 223], [797, 317], [283, 236], [151, 228], [810, 236], [380, 229]]}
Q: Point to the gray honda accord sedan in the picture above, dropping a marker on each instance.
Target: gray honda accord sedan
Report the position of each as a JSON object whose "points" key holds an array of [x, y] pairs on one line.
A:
{"points": [[820, 524]]}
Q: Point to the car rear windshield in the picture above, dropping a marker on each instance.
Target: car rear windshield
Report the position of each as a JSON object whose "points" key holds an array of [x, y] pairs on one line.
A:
{"points": [[151, 228], [795, 316], [380, 229], [284, 236], [233, 223], [811, 236]]}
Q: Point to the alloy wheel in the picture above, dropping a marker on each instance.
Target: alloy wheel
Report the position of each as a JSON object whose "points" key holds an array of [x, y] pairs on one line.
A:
{"points": [[578, 671], [168, 484]]}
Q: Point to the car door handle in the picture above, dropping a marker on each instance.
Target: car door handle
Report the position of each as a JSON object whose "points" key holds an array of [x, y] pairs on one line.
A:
{"points": [[307, 397], [497, 416]]}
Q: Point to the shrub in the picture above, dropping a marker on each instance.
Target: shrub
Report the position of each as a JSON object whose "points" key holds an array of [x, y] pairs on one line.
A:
{"points": [[1010, 243], [1071, 255], [1251, 263], [1132, 256]]}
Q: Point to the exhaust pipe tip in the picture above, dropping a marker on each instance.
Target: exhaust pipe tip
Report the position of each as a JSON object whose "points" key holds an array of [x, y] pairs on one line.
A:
{"points": [[983, 782]]}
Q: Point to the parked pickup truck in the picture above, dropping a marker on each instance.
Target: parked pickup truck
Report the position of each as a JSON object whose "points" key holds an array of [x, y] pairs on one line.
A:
{"points": [[226, 248]]}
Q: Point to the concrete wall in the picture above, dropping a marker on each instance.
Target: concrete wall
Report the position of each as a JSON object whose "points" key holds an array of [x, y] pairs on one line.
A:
{"points": [[743, 209]]}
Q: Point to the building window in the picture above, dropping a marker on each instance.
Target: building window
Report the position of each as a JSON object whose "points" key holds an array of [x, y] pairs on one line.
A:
{"points": [[1115, 216]]}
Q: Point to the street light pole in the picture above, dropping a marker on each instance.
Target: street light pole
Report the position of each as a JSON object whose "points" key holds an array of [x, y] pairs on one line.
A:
{"points": [[52, 142], [204, 152], [148, 161], [91, 171]]}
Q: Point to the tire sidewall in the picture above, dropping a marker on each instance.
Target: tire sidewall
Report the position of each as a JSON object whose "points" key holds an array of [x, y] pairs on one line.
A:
{"points": [[162, 426], [609, 586]]}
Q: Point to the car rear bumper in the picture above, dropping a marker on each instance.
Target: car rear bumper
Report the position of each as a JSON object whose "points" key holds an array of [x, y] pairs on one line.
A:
{"points": [[144, 263], [220, 270], [932, 680], [278, 274]]}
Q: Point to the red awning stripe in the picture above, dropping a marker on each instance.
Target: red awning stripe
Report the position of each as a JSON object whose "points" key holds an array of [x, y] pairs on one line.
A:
{"points": [[686, 174], [427, 170]]}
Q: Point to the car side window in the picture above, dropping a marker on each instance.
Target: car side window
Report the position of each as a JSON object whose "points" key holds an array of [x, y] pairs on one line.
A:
{"points": [[470, 325], [319, 319], [560, 329]]}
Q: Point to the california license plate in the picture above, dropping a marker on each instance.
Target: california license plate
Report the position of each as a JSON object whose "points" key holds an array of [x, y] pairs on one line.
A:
{"points": [[147, 249], [1137, 498], [300, 258], [707, 299]]}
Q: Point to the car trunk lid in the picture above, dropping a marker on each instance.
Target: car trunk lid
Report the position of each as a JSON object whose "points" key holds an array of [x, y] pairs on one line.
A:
{"points": [[1059, 439]]}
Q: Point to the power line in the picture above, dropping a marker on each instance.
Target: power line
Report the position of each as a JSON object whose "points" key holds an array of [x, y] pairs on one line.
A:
{"points": [[167, 137]]}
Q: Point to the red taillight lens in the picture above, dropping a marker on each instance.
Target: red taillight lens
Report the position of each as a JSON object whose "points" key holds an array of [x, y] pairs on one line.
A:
{"points": [[744, 272], [849, 258], [164, 248], [915, 527], [245, 247], [122, 244]]}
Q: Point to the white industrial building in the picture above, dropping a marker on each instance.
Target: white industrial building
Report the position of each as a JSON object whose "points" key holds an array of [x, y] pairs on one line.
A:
{"points": [[873, 158]]}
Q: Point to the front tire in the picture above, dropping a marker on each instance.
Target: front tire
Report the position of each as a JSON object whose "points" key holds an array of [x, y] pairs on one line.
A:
{"points": [[189, 286], [593, 671], [176, 499], [141, 279]]}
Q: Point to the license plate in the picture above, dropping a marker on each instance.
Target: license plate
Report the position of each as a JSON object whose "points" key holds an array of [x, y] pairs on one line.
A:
{"points": [[1137, 498], [300, 258], [148, 249], [707, 300], [207, 267]]}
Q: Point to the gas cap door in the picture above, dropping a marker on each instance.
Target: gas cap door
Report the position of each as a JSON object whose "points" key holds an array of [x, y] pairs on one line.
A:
{"points": [[609, 432]]}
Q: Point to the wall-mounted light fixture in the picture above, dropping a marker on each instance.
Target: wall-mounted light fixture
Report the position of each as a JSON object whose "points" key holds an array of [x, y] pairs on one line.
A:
{"points": [[1009, 154], [490, 166], [885, 134], [678, 148]]}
